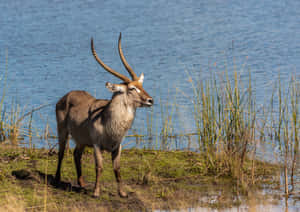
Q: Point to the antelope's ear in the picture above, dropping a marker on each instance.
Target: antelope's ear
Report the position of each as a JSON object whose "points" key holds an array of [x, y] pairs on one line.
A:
{"points": [[115, 87], [141, 79]]}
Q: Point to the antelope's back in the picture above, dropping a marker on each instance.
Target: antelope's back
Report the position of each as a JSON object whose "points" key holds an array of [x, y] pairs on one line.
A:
{"points": [[75, 110]]}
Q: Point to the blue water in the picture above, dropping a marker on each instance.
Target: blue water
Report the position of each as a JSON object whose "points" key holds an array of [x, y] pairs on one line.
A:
{"points": [[47, 44]]}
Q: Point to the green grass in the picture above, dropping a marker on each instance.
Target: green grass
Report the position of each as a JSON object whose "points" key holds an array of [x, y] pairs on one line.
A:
{"points": [[154, 179]]}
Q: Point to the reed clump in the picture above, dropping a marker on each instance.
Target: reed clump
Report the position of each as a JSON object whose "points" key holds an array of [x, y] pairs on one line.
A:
{"points": [[286, 128], [230, 126], [225, 114], [10, 125], [15, 125]]}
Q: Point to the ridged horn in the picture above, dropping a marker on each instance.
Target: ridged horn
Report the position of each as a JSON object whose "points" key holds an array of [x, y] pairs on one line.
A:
{"points": [[107, 68], [127, 66]]}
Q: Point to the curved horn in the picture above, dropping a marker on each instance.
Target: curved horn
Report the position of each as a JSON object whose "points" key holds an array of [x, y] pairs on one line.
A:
{"points": [[127, 66], [110, 70]]}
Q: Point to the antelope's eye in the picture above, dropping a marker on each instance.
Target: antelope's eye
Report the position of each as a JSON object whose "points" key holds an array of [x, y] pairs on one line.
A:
{"points": [[131, 88]]}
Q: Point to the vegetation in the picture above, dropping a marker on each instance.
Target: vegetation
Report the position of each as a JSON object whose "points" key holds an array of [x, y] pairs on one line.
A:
{"points": [[10, 127], [154, 179], [230, 126]]}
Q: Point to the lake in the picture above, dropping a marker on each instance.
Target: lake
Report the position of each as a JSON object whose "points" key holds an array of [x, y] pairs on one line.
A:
{"points": [[45, 47]]}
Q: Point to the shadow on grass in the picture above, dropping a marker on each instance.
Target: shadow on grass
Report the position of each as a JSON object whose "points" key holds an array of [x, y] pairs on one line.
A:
{"points": [[109, 200], [48, 179]]}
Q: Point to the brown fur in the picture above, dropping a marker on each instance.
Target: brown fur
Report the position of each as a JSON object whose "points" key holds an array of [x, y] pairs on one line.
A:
{"points": [[98, 123]]}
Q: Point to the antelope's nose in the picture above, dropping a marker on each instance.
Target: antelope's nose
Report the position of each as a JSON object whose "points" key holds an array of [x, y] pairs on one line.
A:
{"points": [[150, 101]]}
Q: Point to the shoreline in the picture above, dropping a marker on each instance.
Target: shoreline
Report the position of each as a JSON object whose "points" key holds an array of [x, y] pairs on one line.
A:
{"points": [[154, 180]]}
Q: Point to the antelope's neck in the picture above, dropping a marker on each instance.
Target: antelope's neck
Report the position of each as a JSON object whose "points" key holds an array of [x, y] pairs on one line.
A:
{"points": [[121, 115]]}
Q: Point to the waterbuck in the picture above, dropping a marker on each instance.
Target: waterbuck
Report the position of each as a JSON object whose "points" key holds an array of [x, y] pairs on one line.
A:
{"points": [[98, 123]]}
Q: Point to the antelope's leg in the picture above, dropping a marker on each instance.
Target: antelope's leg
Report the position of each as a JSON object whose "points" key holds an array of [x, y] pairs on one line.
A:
{"points": [[116, 165], [99, 167], [77, 158], [62, 140]]}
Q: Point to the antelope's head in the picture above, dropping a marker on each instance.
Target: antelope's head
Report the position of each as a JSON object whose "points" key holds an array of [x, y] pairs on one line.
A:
{"points": [[132, 89]]}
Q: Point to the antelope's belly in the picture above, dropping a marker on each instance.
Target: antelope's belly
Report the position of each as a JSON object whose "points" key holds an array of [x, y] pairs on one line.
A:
{"points": [[107, 142], [110, 146]]}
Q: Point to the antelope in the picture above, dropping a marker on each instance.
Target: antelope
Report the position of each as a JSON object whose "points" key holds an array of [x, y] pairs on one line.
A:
{"points": [[99, 123]]}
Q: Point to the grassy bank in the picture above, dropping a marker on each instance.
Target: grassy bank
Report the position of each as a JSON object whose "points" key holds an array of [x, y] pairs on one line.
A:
{"points": [[154, 179]]}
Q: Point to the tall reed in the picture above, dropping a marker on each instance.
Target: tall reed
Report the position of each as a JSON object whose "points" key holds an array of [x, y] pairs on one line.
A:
{"points": [[11, 130], [295, 125], [287, 130], [2, 111], [225, 119]]}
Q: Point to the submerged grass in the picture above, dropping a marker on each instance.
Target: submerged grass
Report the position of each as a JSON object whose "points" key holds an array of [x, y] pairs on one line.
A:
{"points": [[287, 132], [229, 125]]}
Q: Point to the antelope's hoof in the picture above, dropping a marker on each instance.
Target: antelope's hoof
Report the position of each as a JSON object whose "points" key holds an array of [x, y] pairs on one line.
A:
{"points": [[96, 194], [56, 181], [81, 183], [123, 194]]}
